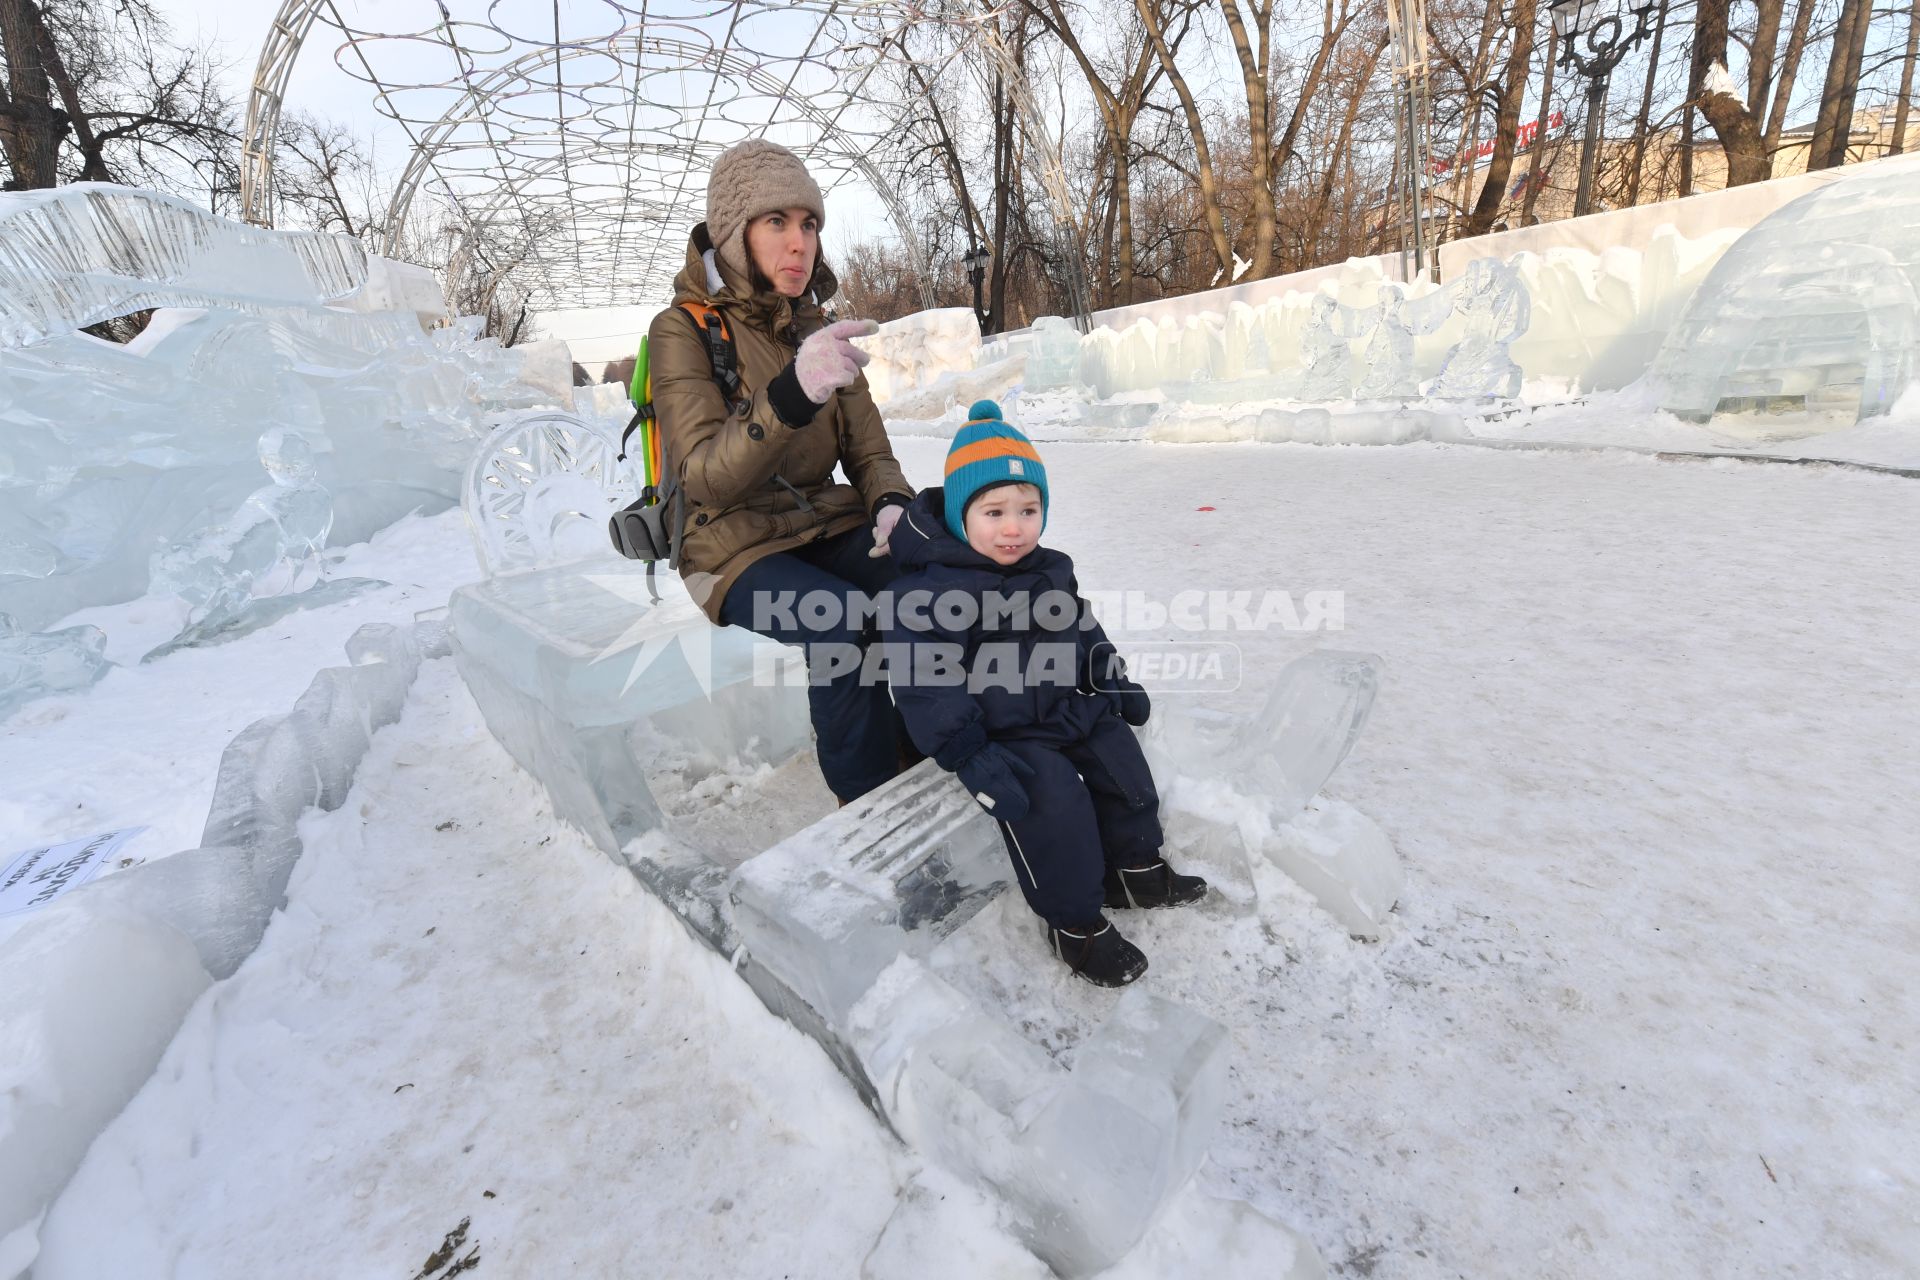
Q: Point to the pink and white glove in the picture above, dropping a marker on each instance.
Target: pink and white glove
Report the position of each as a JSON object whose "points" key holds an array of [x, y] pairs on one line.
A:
{"points": [[827, 361], [883, 529]]}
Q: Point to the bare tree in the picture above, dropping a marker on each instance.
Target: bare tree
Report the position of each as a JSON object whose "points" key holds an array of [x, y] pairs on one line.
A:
{"points": [[1153, 15], [1642, 128], [1120, 97], [1904, 101], [324, 177], [1711, 86], [1512, 89], [1833, 130], [1789, 71], [97, 91]]}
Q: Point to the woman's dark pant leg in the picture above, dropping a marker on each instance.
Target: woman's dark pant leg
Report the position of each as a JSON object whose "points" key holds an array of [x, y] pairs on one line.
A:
{"points": [[853, 721], [846, 556]]}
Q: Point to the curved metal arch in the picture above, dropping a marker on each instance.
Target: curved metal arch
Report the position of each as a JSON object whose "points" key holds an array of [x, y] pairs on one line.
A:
{"points": [[286, 34], [295, 18], [687, 55]]}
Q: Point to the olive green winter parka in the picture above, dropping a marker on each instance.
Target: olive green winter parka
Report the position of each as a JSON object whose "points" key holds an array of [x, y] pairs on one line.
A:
{"points": [[732, 460]]}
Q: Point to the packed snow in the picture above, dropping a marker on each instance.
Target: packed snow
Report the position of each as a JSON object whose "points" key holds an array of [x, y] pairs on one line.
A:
{"points": [[1641, 741]]}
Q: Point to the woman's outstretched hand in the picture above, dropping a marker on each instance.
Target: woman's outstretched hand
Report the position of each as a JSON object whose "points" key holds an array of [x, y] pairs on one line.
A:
{"points": [[827, 361]]}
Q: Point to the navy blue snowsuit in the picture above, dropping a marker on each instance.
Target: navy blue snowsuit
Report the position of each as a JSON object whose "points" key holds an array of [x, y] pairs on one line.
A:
{"points": [[1029, 688]]}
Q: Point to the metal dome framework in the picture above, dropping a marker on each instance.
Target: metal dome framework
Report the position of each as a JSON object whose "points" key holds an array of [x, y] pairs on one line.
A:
{"points": [[572, 138]]}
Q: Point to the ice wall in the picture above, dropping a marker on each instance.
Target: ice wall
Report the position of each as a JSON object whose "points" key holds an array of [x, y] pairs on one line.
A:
{"points": [[1604, 292], [910, 352]]}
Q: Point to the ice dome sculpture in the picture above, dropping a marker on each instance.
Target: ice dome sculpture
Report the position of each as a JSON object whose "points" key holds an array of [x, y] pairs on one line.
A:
{"points": [[1815, 310]]}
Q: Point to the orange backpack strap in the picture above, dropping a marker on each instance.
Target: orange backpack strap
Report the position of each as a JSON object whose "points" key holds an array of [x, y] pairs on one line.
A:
{"points": [[720, 353]]}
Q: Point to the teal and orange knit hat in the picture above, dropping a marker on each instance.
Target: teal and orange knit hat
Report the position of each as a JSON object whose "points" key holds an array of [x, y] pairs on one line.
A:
{"points": [[985, 453]]}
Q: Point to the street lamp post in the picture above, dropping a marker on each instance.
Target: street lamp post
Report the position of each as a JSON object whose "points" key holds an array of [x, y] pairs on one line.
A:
{"points": [[976, 260], [1594, 36]]}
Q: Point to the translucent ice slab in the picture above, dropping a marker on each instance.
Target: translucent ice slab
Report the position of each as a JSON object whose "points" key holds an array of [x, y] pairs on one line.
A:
{"points": [[1253, 802], [584, 680], [1085, 1159], [842, 913], [33, 664], [93, 995], [893, 873]]}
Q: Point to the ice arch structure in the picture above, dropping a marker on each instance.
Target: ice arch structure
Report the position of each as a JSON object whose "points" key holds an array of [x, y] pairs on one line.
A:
{"points": [[1815, 310], [580, 147]]}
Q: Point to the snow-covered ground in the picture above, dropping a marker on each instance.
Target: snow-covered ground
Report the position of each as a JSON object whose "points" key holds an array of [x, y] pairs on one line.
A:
{"points": [[1645, 1008]]}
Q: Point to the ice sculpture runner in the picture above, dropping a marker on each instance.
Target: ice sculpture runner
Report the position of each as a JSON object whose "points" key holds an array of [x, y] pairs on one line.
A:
{"points": [[1265, 808]]}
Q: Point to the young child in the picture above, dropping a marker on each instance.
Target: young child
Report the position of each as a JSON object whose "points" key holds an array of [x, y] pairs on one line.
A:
{"points": [[1004, 678]]}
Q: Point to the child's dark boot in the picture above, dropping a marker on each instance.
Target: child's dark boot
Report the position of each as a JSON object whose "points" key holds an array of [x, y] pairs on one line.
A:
{"points": [[1098, 953], [1155, 885]]}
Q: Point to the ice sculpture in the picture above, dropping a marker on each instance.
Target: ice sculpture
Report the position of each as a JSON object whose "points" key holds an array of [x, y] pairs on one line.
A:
{"points": [[110, 454], [1494, 303], [1085, 1159], [911, 353], [270, 547], [541, 489], [33, 664], [1815, 310], [1326, 355], [1265, 807], [79, 254], [1392, 323], [1053, 357]]}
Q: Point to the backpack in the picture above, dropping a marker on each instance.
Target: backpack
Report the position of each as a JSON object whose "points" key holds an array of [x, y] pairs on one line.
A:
{"points": [[649, 529]]}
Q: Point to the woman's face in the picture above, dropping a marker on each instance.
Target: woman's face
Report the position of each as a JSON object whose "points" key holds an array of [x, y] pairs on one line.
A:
{"points": [[785, 244]]}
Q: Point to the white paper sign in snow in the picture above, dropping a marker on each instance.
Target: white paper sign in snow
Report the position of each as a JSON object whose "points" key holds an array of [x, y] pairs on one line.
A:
{"points": [[38, 876]]}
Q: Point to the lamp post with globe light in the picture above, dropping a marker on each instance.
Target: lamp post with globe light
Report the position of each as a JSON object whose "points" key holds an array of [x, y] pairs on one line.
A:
{"points": [[1594, 35], [976, 260]]}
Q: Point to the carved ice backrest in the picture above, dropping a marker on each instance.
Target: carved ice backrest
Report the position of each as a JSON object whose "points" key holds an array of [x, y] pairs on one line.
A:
{"points": [[541, 490]]}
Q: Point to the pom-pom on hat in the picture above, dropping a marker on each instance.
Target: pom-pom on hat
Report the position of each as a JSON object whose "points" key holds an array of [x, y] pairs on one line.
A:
{"points": [[987, 453], [751, 178]]}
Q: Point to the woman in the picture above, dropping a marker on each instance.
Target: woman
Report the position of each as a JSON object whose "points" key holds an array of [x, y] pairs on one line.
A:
{"points": [[770, 542]]}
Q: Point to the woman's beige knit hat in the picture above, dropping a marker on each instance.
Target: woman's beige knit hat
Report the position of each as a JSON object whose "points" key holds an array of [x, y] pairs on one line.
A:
{"points": [[749, 179]]}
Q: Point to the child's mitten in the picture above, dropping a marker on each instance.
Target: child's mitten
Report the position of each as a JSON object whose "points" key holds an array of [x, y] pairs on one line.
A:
{"points": [[993, 775], [827, 361], [1131, 701]]}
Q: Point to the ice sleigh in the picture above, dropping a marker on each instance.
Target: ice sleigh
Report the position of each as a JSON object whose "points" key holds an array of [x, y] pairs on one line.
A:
{"points": [[595, 689]]}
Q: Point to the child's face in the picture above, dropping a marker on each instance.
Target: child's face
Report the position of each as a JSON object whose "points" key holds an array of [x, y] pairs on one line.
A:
{"points": [[1003, 523]]}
